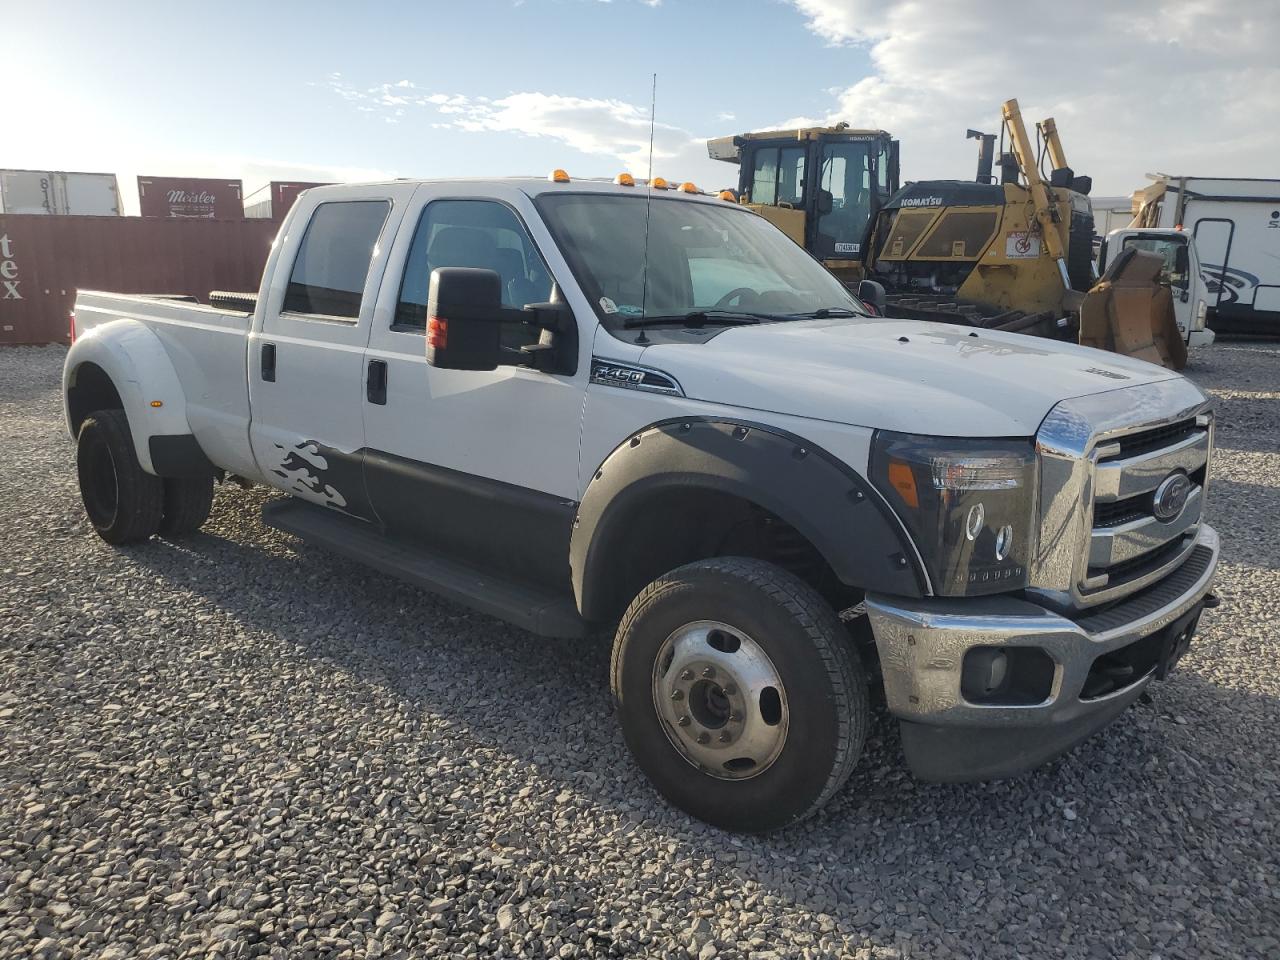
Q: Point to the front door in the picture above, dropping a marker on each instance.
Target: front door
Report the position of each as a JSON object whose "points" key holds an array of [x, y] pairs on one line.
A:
{"points": [[478, 465], [306, 356]]}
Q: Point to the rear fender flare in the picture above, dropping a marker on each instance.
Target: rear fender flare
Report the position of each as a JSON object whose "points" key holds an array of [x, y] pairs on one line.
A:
{"points": [[139, 368], [824, 499]]}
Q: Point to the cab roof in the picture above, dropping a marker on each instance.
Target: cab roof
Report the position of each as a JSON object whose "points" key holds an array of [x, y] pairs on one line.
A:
{"points": [[729, 149], [537, 186]]}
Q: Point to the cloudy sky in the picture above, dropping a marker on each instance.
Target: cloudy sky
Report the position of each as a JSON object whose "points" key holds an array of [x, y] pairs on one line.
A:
{"points": [[324, 91]]}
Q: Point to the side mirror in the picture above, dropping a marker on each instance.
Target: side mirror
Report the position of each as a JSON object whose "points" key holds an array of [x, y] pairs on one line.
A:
{"points": [[464, 319], [872, 293], [1181, 260], [826, 203]]}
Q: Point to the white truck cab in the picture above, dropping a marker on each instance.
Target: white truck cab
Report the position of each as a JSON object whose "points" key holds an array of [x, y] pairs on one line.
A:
{"points": [[1182, 272], [580, 406]]}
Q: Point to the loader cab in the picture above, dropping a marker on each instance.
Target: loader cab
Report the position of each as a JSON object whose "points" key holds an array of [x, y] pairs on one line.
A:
{"points": [[822, 186]]}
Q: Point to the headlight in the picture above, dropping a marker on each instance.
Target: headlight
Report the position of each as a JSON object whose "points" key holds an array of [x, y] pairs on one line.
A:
{"points": [[969, 505]]}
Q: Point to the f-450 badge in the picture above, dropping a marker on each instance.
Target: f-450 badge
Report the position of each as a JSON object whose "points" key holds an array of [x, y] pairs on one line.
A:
{"points": [[614, 373]]}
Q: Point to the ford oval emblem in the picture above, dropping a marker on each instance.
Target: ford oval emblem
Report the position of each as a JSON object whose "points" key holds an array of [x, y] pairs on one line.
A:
{"points": [[1171, 497]]}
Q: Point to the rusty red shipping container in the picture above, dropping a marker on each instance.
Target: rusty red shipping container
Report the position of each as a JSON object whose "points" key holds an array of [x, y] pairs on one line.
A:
{"points": [[43, 260], [190, 198]]}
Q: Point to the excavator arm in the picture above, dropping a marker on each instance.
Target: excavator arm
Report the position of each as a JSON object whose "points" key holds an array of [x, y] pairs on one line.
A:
{"points": [[1057, 156], [1128, 311], [1045, 213]]}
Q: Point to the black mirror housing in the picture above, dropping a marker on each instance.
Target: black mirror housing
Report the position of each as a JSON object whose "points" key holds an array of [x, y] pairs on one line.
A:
{"points": [[872, 293], [1181, 260], [464, 319]]}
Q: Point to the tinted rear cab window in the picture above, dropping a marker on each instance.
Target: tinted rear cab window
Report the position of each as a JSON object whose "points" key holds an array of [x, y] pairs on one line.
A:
{"points": [[333, 260]]}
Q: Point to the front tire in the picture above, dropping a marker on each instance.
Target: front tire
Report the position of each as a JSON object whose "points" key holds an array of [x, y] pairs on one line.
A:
{"points": [[124, 502], [739, 692]]}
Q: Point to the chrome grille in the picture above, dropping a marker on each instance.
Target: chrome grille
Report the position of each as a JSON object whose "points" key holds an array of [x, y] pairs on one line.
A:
{"points": [[1127, 539], [1133, 444], [1103, 458]]}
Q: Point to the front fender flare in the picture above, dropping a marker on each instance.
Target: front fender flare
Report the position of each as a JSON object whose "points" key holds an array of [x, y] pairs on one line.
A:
{"points": [[824, 499], [135, 360]]}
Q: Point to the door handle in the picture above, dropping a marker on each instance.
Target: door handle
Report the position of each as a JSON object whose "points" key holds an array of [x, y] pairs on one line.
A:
{"points": [[269, 362], [375, 385]]}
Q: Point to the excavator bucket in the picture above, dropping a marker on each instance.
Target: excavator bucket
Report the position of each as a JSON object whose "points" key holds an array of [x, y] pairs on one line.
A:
{"points": [[1128, 311]]}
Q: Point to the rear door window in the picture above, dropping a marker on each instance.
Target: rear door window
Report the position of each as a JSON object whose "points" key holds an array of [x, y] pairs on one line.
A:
{"points": [[333, 260]]}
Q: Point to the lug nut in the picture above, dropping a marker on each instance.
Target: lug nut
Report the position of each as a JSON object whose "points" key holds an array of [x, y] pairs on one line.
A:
{"points": [[704, 738], [686, 675], [735, 717], [677, 694], [683, 721], [724, 737], [709, 672], [730, 690]]}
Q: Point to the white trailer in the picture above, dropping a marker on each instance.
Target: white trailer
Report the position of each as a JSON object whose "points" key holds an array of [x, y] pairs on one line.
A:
{"points": [[1111, 213], [57, 192], [1235, 223]]}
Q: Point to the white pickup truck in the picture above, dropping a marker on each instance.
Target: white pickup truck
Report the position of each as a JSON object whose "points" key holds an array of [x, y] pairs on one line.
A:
{"points": [[579, 404]]}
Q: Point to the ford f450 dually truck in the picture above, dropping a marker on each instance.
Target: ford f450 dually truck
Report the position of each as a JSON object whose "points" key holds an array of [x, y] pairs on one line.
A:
{"points": [[578, 404]]}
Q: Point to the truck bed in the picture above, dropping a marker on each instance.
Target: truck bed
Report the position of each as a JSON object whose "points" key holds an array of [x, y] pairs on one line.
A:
{"points": [[207, 346]]}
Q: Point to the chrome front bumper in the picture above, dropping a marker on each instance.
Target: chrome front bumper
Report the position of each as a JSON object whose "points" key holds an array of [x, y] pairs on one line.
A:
{"points": [[923, 643]]}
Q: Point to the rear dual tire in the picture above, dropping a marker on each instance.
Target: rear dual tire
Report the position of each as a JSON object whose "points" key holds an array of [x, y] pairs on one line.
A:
{"points": [[124, 503], [187, 502], [739, 693]]}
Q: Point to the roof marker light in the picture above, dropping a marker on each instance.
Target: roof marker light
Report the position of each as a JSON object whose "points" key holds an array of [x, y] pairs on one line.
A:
{"points": [[688, 187], [625, 180], [728, 196], [558, 176], [659, 184]]}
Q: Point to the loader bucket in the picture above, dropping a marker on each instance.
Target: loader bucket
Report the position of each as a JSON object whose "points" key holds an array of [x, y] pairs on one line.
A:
{"points": [[1130, 312]]}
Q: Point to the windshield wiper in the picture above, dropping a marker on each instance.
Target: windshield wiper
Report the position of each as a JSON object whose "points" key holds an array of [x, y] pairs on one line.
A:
{"points": [[822, 313], [698, 318]]}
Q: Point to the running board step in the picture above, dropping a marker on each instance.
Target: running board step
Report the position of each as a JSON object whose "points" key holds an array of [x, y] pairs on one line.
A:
{"points": [[537, 611]]}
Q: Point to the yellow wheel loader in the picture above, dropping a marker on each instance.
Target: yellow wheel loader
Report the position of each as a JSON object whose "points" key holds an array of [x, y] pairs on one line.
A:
{"points": [[820, 185], [1017, 255]]}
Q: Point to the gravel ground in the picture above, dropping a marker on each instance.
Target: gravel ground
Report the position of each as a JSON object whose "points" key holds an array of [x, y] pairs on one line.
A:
{"points": [[238, 745]]}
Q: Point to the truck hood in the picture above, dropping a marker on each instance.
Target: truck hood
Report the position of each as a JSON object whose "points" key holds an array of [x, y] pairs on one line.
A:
{"points": [[905, 375]]}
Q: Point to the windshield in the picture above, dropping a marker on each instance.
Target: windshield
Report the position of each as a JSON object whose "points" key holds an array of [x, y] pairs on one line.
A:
{"points": [[1172, 272], [702, 257]]}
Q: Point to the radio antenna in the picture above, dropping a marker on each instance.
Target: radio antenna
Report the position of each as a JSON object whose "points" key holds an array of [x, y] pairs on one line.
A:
{"points": [[648, 204]]}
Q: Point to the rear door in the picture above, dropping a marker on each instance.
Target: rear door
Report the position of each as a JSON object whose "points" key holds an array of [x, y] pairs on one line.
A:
{"points": [[306, 358], [480, 465]]}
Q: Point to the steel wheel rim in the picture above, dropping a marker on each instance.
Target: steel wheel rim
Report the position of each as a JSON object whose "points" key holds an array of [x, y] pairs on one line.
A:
{"points": [[720, 700]]}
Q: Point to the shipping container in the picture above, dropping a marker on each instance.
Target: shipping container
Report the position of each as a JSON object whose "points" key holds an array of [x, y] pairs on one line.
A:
{"points": [[56, 192], [277, 198], [43, 260], [192, 198]]}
